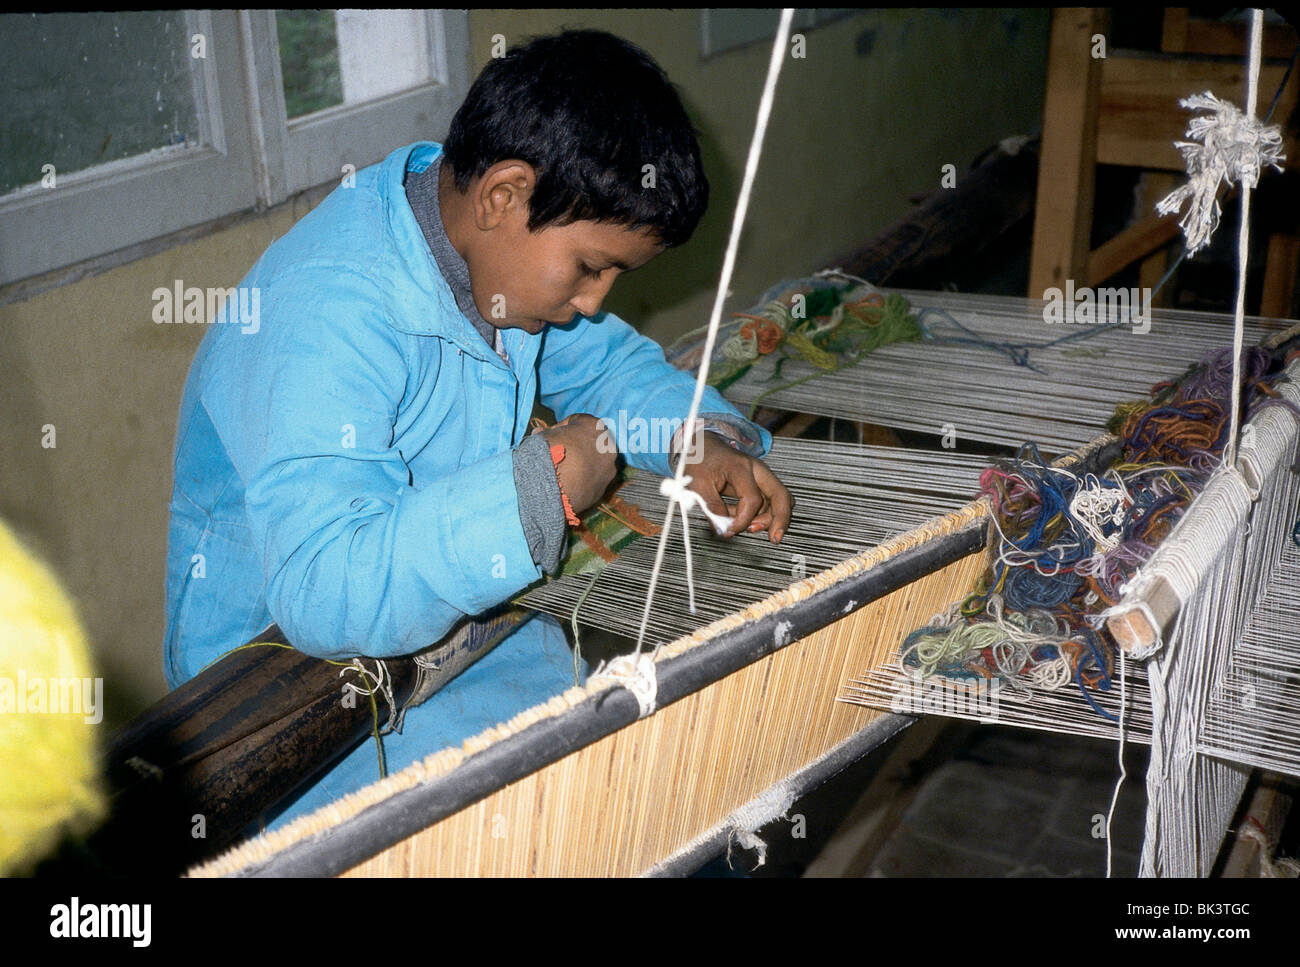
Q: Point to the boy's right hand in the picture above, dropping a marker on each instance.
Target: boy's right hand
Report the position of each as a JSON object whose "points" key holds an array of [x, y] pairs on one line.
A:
{"points": [[590, 458]]}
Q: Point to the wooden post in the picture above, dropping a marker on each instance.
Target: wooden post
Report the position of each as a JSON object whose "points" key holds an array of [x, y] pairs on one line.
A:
{"points": [[1280, 271], [1063, 214]]}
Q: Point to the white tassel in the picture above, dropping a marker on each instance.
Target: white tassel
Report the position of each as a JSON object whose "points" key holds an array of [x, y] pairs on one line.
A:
{"points": [[1233, 147]]}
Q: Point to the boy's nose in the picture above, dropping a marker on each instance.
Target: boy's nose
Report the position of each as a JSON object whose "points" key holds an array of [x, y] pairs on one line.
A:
{"points": [[587, 302]]}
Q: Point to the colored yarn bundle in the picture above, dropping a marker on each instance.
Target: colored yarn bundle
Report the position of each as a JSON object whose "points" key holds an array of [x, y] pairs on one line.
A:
{"points": [[828, 326], [1066, 544]]}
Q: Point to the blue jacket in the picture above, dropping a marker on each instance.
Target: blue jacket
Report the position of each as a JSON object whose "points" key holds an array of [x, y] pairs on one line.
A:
{"points": [[343, 461]]}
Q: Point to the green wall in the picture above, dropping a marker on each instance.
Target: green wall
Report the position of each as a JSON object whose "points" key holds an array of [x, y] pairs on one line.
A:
{"points": [[862, 124]]}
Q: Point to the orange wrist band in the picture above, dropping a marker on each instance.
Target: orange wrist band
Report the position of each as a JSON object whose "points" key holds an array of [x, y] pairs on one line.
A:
{"points": [[557, 457]]}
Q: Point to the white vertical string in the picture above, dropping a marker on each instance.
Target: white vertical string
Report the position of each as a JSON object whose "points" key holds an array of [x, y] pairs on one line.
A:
{"points": [[1243, 248], [1123, 771], [675, 489]]}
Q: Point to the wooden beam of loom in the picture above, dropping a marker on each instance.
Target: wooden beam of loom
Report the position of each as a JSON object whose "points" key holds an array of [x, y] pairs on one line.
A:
{"points": [[1140, 118], [1066, 180], [1122, 108], [1184, 34]]}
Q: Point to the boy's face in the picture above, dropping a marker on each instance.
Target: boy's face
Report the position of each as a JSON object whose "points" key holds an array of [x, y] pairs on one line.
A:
{"points": [[525, 280]]}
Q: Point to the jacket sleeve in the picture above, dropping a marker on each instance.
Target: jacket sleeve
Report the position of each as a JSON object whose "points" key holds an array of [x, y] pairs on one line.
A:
{"points": [[602, 366], [355, 559]]}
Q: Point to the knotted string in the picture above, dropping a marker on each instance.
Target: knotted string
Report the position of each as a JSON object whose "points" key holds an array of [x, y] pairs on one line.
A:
{"points": [[678, 492], [1234, 148], [677, 488], [636, 673], [1226, 146]]}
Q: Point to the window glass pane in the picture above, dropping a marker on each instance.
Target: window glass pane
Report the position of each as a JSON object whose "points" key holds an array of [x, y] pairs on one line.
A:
{"points": [[333, 57], [81, 89], [309, 60]]}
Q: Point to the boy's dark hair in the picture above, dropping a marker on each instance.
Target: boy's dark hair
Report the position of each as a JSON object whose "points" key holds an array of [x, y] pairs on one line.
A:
{"points": [[587, 110]]}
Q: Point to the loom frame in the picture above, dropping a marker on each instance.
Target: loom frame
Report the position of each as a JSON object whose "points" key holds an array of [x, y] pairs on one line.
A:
{"points": [[409, 811]]}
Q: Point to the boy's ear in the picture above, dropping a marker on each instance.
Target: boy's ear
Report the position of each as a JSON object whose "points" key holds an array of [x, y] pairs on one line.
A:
{"points": [[503, 192]]}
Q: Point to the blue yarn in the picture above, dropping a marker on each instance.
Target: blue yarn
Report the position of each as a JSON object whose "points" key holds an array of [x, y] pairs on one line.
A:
{"points": [[1104, 685], [1089, 699], [1295, 533], [1025, 588], [1055, 493], [1045, 653], [1152, 506], [1017, 352]]}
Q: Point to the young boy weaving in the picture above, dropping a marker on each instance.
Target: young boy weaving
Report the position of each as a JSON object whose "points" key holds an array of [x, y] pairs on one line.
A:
{"points": [[358, 468]]}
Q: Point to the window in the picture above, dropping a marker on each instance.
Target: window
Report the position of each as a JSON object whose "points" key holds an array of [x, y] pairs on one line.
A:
{"points": [[83, 90], [120, 128]]}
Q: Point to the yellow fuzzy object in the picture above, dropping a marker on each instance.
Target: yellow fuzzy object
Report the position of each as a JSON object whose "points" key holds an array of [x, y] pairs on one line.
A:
{"points": [[49, 765]]}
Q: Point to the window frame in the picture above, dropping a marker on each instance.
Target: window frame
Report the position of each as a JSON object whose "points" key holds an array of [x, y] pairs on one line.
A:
{"points": [[250, 156], [305, 152]]}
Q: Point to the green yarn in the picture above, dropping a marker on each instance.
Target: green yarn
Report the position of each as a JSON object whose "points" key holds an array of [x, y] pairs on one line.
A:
{"points": [[846, 341], [822, 302], [805, 349], [938, 647]]}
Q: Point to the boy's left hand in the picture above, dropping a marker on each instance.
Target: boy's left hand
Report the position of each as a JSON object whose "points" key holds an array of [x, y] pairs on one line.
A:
{"points": [[721, 471]]}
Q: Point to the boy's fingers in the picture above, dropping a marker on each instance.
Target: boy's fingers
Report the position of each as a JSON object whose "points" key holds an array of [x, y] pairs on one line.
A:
{"points": [[712, 499], [782, 501], [752, 502], [761, 519]]}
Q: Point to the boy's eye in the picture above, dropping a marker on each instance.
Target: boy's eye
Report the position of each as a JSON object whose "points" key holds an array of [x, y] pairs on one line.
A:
{"points": [[588, 270]]}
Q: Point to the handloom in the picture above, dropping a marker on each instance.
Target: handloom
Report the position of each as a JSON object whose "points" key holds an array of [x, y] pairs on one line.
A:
{"points": [[355, 827], [538, 761], [584, 786], [533, 795]]}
